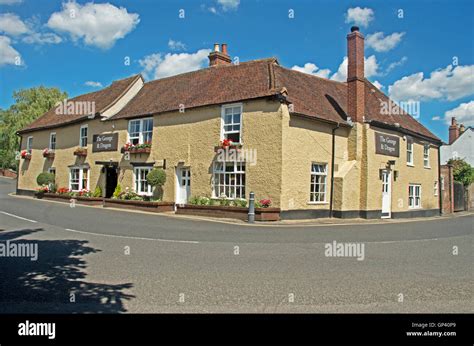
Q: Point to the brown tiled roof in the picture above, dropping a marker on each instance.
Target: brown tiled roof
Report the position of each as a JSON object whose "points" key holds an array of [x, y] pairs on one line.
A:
{"points": [[214, 85], [310, 95], [103, 99]]}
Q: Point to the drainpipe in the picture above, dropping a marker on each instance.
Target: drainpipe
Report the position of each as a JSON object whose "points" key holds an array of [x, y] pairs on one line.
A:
{"points": [[440, 192], [333, 154], [18, 165]]}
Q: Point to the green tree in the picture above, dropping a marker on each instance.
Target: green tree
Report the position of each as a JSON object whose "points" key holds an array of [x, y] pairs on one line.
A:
{"points": [[462, 171], [29, 104]]}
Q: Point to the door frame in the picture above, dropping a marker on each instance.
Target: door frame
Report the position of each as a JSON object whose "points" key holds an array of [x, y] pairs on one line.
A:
{"points": [[178, 173], [387, 172]]}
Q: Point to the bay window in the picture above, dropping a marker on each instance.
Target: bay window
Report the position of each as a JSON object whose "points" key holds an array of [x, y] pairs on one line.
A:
{"points": [[79, 179], [229, 180], [141, 185]]}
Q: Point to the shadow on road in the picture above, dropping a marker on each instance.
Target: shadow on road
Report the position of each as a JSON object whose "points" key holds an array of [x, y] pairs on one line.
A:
{"points": [[47, 284]]}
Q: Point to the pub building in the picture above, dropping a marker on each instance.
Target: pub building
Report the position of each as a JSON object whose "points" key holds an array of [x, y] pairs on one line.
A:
{"points": [[323, 148]]}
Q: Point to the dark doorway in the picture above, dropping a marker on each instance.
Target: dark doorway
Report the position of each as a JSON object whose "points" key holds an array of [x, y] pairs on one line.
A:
{"points": [[459, 199], [110, 181]]}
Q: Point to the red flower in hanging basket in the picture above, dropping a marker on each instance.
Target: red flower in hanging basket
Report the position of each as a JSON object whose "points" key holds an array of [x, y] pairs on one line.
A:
{"points": [[25, 154], [226, 143], [48, 152]]}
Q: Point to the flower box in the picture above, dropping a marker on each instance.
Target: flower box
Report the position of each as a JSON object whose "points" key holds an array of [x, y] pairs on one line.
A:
{"points": [[261, 214], [78, 199], [138, 150], [229, 147], [157, 207], [80, 152]]}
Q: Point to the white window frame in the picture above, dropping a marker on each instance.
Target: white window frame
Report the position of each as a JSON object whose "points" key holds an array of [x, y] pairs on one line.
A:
{"points": [[137, 180], [410, 153], [414, 200], [141, 132], [51, 135], [81, 178], [223, 124], [436, 188], [81, 137], [29, 144], [442, 183], [324, 174], [426, 156], [237, 174]]}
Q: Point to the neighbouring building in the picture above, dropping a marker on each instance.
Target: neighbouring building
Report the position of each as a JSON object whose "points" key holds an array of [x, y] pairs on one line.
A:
{"points": [[460, 144], [460, 147], [314, 146]]}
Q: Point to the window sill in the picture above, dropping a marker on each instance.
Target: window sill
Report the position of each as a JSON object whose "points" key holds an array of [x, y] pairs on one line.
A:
{"points": [[414, 208], [410, 165], [427, 167], [317, 203]]}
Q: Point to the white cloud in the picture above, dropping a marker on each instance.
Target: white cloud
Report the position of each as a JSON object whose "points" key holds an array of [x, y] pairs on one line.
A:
{"points": [[312, 69], [10, 2], [449, 83], [371, 69], [436, 118], [464, 114], [99, 25], [212, 10], [11, 24], [176, 45], [40, 38], [380, 43], [396, 64], [8, 54], [229, 4], [360, 16], [93, 84], [378, 85], [157, 66]]}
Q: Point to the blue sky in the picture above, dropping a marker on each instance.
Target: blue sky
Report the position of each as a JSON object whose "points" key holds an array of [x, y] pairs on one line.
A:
{"points": [[425, 54]]}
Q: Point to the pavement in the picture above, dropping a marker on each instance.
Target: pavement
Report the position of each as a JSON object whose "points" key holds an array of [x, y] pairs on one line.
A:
{"points": [[99, 260]]}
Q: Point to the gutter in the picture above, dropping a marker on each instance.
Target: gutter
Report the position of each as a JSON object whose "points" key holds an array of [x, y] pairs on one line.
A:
{"points": [[333, 155], [440, 194], [18, 166]]}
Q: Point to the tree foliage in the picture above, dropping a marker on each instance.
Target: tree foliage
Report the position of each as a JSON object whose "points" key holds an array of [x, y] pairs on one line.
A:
{"points": [[156, 177], [29, 104], [45, 178], [462, 171]]}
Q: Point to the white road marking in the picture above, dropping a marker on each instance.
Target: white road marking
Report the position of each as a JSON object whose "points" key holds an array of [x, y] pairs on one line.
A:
{"points": [[18, 217], [139, 238], [403, 241]]}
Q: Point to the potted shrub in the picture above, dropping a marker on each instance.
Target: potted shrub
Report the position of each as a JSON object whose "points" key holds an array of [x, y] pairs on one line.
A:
{"points": [[48, 153], [79, 151], [45, 180], [157, 178], [41, 191], [25, 154]]}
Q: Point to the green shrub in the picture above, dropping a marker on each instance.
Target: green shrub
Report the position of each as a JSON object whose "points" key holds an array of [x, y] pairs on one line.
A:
{"points": [[45, 178], [117, 191], [240, 203], [97, 192], [156, 177], [193, 200], [258, 204], [130, 196]]}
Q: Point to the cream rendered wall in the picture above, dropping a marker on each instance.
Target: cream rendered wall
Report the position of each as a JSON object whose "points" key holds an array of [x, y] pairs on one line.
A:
{"points": [[188, 140], [182, 139], [307, 141], [406, 174]]}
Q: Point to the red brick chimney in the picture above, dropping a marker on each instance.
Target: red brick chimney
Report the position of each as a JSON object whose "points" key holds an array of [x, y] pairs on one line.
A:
{"points": [[355, 75], [453, 130], [217, 57]]}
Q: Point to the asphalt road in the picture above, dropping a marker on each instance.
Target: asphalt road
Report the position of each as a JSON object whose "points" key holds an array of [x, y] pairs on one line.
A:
{"points": [[102, 260]]}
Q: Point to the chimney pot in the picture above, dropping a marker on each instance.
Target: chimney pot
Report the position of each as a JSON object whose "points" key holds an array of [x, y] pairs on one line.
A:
{"points": [[354, 28], [453, 130], [224, 48], [216, 47]]}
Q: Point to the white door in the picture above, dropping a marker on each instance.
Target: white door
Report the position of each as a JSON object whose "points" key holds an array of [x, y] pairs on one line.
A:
{"points": [[184, 185], [386, 194]]}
